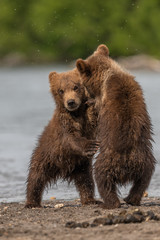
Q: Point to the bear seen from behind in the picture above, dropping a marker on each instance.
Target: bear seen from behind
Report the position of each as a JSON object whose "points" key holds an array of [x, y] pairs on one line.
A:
{"points": [[124, 128]]}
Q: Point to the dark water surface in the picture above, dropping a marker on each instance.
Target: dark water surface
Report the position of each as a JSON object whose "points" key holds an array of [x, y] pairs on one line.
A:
{"points": [[26, 107]]}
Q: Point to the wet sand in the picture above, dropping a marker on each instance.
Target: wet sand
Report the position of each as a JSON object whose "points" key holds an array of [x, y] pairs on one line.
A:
{"points": [[70, 220]]}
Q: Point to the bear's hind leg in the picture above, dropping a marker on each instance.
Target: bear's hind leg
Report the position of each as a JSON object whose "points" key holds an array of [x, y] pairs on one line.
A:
{"points": [[35, 188], [39, 176], [34, 194], [84, 183], [107, 190], [110, 198], [138, 188]]}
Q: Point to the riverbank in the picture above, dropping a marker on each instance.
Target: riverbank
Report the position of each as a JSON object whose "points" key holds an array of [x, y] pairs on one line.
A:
{"points": [[69, 220], [135, 62]]}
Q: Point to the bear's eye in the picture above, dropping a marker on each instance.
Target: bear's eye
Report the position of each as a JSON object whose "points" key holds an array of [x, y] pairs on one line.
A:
{"points": [[61, 91], [75, 88]]}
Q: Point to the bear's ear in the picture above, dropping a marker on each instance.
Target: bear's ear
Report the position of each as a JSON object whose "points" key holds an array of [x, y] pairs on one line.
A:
{"points": [[103, 49], [52, 76], [53, 80], [83, 67]]}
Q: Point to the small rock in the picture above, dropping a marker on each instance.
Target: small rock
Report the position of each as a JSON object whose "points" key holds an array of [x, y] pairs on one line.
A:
{"points": [[99, 221], [147, 219], [118, 219], [85, 224], [78, 199], [122, 213], [129, 218], [132, 218], [71, 224], [47, 206], [60, 205], [150, 215], [102, 221], [139, 218], [138, 211], [78, 225], [145, 194], [93, 225]]}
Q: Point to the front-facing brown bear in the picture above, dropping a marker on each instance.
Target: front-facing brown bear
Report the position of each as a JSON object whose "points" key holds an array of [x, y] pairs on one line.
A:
{"points": [[67, 144], [124, 128]]}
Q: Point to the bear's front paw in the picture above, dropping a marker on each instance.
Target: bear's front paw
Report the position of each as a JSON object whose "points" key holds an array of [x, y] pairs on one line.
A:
{"points": [[91, 148], [90, 102]]}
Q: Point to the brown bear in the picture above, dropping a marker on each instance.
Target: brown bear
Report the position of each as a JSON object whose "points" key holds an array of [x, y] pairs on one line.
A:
{"points": [[67, 144], [124, 128]]}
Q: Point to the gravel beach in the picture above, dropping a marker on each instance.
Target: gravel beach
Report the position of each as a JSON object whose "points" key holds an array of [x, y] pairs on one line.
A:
{"points": [[70, 220]]}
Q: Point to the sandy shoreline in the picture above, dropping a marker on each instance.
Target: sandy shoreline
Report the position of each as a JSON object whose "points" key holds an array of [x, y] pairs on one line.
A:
{"points": [[50, 222]]}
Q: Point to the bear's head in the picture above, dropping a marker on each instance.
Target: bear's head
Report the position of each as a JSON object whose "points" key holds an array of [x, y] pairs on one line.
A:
{"points": [[67, 89], [93, 68]]}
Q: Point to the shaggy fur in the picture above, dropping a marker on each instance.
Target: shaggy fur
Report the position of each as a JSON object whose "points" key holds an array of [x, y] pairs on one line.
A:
{"points": [[124, 128], [67, 144]]}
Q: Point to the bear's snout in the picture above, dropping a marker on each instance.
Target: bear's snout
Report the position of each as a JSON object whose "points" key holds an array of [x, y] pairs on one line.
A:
{"points": [[71, 103], [71, 100]]}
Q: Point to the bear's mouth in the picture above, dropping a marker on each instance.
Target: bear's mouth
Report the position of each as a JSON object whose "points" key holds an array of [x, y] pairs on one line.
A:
{"points": [[72, 108], [72, 105]]}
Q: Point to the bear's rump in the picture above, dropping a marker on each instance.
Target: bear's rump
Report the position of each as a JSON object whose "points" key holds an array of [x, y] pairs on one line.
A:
{"points": [[122, 168]]}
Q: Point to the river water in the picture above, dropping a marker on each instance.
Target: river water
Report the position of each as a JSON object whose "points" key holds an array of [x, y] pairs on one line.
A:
{"points": [[26, 107]]}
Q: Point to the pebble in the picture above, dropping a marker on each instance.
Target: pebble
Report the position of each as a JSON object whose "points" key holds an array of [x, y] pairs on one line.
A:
{"points": [[48, 206], [73, 224], [145, 194], [78, 199], [60, 205], [103, 221]]}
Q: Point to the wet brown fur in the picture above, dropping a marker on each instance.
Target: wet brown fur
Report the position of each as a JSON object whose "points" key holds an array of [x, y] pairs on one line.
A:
{"points": [[67, 144], [124, 128]]}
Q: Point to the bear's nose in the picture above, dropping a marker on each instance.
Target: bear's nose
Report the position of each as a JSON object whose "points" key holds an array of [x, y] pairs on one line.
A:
{"points": [[71, 102]]}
